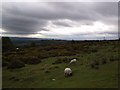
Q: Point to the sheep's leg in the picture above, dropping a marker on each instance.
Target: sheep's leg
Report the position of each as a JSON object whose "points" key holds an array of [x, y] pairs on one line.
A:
{"points": [[70, 74], [65, 74]]}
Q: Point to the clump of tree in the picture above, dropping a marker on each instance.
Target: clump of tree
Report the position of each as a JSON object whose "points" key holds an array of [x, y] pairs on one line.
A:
{"points": [[7, 44]]}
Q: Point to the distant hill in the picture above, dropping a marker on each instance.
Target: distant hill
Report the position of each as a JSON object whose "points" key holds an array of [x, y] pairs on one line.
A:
{"points": [[20, 41]]}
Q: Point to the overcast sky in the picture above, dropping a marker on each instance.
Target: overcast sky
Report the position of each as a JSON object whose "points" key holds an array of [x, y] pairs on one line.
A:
{"points": [[60, 20]]}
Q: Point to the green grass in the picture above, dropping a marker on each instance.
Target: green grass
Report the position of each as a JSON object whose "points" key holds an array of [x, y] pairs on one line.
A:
{"points": [[35, 76], [84, 77]]}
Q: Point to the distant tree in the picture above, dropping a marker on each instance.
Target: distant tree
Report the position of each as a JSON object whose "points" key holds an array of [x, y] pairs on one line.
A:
{"points": [[7, 44], [33, 44], [73, 40]]}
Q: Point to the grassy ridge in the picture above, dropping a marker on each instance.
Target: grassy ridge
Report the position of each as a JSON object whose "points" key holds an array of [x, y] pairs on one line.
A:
{"points": [[84, 76]]}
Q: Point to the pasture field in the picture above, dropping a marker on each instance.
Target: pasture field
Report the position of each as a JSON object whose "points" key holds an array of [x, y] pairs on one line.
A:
{"points": [[96, 67]]}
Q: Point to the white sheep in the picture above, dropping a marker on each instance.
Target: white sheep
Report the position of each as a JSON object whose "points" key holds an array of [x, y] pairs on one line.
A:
{"points": [[67, 72], [73, 61], [17, 48]]}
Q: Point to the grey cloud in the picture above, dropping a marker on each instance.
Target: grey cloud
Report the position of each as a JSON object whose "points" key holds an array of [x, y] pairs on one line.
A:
{"points": [[110, 33], [47, 11], [18, 24], [13, 33], [29, 18], [107, 9], [61, 24]]}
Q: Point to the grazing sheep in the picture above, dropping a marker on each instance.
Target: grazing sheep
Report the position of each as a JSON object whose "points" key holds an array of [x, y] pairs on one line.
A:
{"points": [[67, 72], [17, 48], [53, 79], [73, 61]]}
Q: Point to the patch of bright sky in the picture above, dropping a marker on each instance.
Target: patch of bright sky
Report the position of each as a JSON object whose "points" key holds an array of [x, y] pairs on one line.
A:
{"points": [[96, 27]]}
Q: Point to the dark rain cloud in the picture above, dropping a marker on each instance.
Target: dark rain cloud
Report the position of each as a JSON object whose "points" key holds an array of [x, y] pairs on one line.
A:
{"points": [[27, 18], [21, 25]]}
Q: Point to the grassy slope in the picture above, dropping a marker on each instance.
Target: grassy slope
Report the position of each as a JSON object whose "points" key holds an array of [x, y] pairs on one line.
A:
{"points": [[33, 76]]}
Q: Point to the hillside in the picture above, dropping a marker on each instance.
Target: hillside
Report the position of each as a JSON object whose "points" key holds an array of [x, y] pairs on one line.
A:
{"points": [[20, 41], [96, 67]]}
